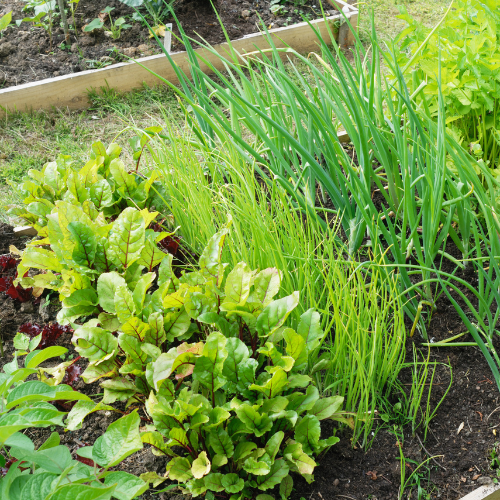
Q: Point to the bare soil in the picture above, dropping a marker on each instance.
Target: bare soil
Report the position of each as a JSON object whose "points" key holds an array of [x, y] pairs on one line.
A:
{"points": [[27, 53]]}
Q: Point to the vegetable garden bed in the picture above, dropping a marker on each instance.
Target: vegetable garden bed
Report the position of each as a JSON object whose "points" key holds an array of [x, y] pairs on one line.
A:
{"points": [[460, 462], [71, 89]]}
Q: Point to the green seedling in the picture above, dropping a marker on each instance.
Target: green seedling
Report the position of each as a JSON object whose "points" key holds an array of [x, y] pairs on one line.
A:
{"points": [[115, 27]]}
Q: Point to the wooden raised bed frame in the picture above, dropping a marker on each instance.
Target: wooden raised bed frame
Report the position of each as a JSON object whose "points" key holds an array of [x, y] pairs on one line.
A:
{"points": [[70, 91]]}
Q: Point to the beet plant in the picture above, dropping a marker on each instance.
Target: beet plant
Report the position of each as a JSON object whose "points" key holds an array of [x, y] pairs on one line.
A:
{"points": [[103, 184]]}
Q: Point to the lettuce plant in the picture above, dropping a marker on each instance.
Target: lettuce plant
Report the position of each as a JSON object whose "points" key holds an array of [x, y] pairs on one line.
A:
{"points": [[102, 185]]}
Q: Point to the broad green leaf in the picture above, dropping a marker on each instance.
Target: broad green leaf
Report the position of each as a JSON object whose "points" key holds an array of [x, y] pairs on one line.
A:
{"points": [[221, 443], [295, 346], [307, 432], [40, 258], [274, 386], [256, 423], [35, 390], [120, 440], [279, 470], [141, 288], [169, 361], [82, 492], [124, 181], [5, 20], [135, 328], [157, 442], [218, 461], [53, 460], [298, 460], [39, 486], [117, 389], [303, 402], [176, 324], [326, 407], [201, 465], [208, 367], [298, 380], [100, 369], [210, 260], [232, 483], [179, 469], [21, 341], [124, 304], [243, 449], [101, 194], [94, 343], [238, 284], [156, 333], [153, 478], [310, 329], [127, 486], [237, 352], [53, 440], [107, 284], [252, 466], [19, 440], [85, 244], [266, 286], [197, 303], [213, 481], [47, 353], [165, 272], [151, 255], [275, 314], [136, 357], [274, 443], [126, 238], [286, 487], [80, 411]]}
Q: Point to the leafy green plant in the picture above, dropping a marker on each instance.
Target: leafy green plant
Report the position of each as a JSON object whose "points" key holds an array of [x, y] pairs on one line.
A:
{"points": [[460, 59], [26, 404], [51, 473], [4, 22], [158, 10], [115, 27], [44, 15], [241, 422], [88, 255], [240, 305], [103, 184]]}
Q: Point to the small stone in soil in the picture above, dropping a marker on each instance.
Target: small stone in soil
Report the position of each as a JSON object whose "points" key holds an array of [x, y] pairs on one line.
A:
{"points": [[245, 13], [484, 480], [130, 51]]}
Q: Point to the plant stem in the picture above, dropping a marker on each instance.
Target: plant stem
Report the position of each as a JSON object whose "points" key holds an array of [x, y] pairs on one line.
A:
{"points": [[64, 19]]}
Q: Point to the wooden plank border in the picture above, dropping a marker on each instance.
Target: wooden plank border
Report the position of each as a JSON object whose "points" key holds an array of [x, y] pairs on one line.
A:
{"points": [[70, 91], [491, 492]]}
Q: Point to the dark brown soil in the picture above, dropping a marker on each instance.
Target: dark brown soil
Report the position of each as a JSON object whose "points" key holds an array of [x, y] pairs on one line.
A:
{"points": [[461, 437], [27, 55]]}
